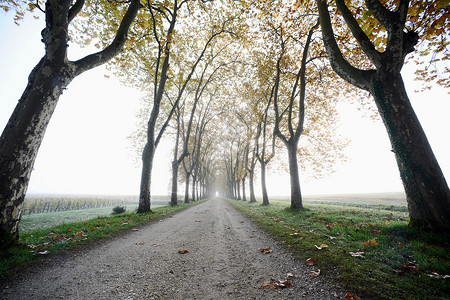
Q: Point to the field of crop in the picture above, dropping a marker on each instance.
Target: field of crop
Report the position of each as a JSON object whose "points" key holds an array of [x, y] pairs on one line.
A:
{"points": [[91, 208]]}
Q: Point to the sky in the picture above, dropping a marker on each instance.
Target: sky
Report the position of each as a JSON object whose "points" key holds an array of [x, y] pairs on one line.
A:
{"points": [[86, 151]]}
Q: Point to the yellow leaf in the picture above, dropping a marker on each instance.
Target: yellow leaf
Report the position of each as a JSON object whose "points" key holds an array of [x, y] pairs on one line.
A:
{"points": [[321, 246]]}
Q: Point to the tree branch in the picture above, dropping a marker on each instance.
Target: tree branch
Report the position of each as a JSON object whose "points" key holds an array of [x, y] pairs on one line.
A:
{"points": [[381, 13], [358, 33], [75, 9], [339, 64], [116, 45]]}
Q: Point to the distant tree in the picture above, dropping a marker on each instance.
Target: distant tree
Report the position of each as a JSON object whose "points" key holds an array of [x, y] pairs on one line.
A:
{"points": [[386, 32], [24, 132]]}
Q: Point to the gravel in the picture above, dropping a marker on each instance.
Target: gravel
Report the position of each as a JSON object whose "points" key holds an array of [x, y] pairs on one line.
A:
{"points": [[222, 261]]}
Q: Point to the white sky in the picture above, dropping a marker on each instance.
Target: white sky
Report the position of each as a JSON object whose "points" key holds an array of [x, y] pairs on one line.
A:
{"points": [[86, 151]]}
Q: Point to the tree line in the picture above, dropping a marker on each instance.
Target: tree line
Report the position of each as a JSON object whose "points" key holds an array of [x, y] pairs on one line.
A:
{"points": [[236, 83]]}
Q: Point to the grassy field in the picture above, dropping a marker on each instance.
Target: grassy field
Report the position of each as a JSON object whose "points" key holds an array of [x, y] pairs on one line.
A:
{"points": [[47, 220], [362, 242]]}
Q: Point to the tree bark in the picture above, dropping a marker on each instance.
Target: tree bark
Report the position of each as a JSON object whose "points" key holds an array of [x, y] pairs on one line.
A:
{"points": [[174, 192], [263, 184], [426, 189], [193, 188], [244, 197], [175, 165], [251, 185], [146, 178], [186, 190], [20, 142], [238, 189], [25, 130], [296, 195]]}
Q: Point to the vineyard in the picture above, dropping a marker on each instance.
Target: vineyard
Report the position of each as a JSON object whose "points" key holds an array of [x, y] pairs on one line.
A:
{"points": [[45, 205], [45, 211]]}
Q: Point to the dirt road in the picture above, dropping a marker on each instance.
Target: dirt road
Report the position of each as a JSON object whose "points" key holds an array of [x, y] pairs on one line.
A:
{"points": [[223, 262]]}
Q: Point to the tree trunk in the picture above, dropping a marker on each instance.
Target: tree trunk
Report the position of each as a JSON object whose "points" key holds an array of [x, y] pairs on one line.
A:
{"points": [[198, 190], [193, 189], [186, 190], [238, 189], [244, 198], [173, 194], [263, 184], [296, 195], [427, 192], [21, 139], [146, 177], [252, 187]]}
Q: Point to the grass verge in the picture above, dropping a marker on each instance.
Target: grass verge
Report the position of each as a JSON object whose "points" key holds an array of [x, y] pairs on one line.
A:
{"points": [[373, 253], [35, 245]]}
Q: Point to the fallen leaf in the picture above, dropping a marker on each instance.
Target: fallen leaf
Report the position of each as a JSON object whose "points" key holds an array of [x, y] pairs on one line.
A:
{"points": [[79, 234], [140, 243], [265, 250], [438, 276], [156, 245], [349, 296], [370, 243], [331, 237], [311, 261], [183, 251], [269, 285], [289, 275], [357, 254], [314, 274], [134, 229], [283, 283], [276, 284], [197, 221], [43, 252], [321, 246], [328, 227], [411, 269]]}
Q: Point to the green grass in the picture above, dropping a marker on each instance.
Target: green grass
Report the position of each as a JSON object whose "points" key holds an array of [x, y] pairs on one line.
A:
{"points": [[387, 269], [37, 244]]}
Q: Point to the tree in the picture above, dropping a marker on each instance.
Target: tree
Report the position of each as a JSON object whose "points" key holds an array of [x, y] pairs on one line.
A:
{"points": [[22, 136], [199, 84], [427, 192], [295, 127]]}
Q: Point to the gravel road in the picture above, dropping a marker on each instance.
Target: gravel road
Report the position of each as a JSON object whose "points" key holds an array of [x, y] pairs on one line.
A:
{"points": [[223, 262]]}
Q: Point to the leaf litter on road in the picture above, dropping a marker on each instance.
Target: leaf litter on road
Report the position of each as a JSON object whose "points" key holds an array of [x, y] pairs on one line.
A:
{"points": [[265, 250], [273, 284]]}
